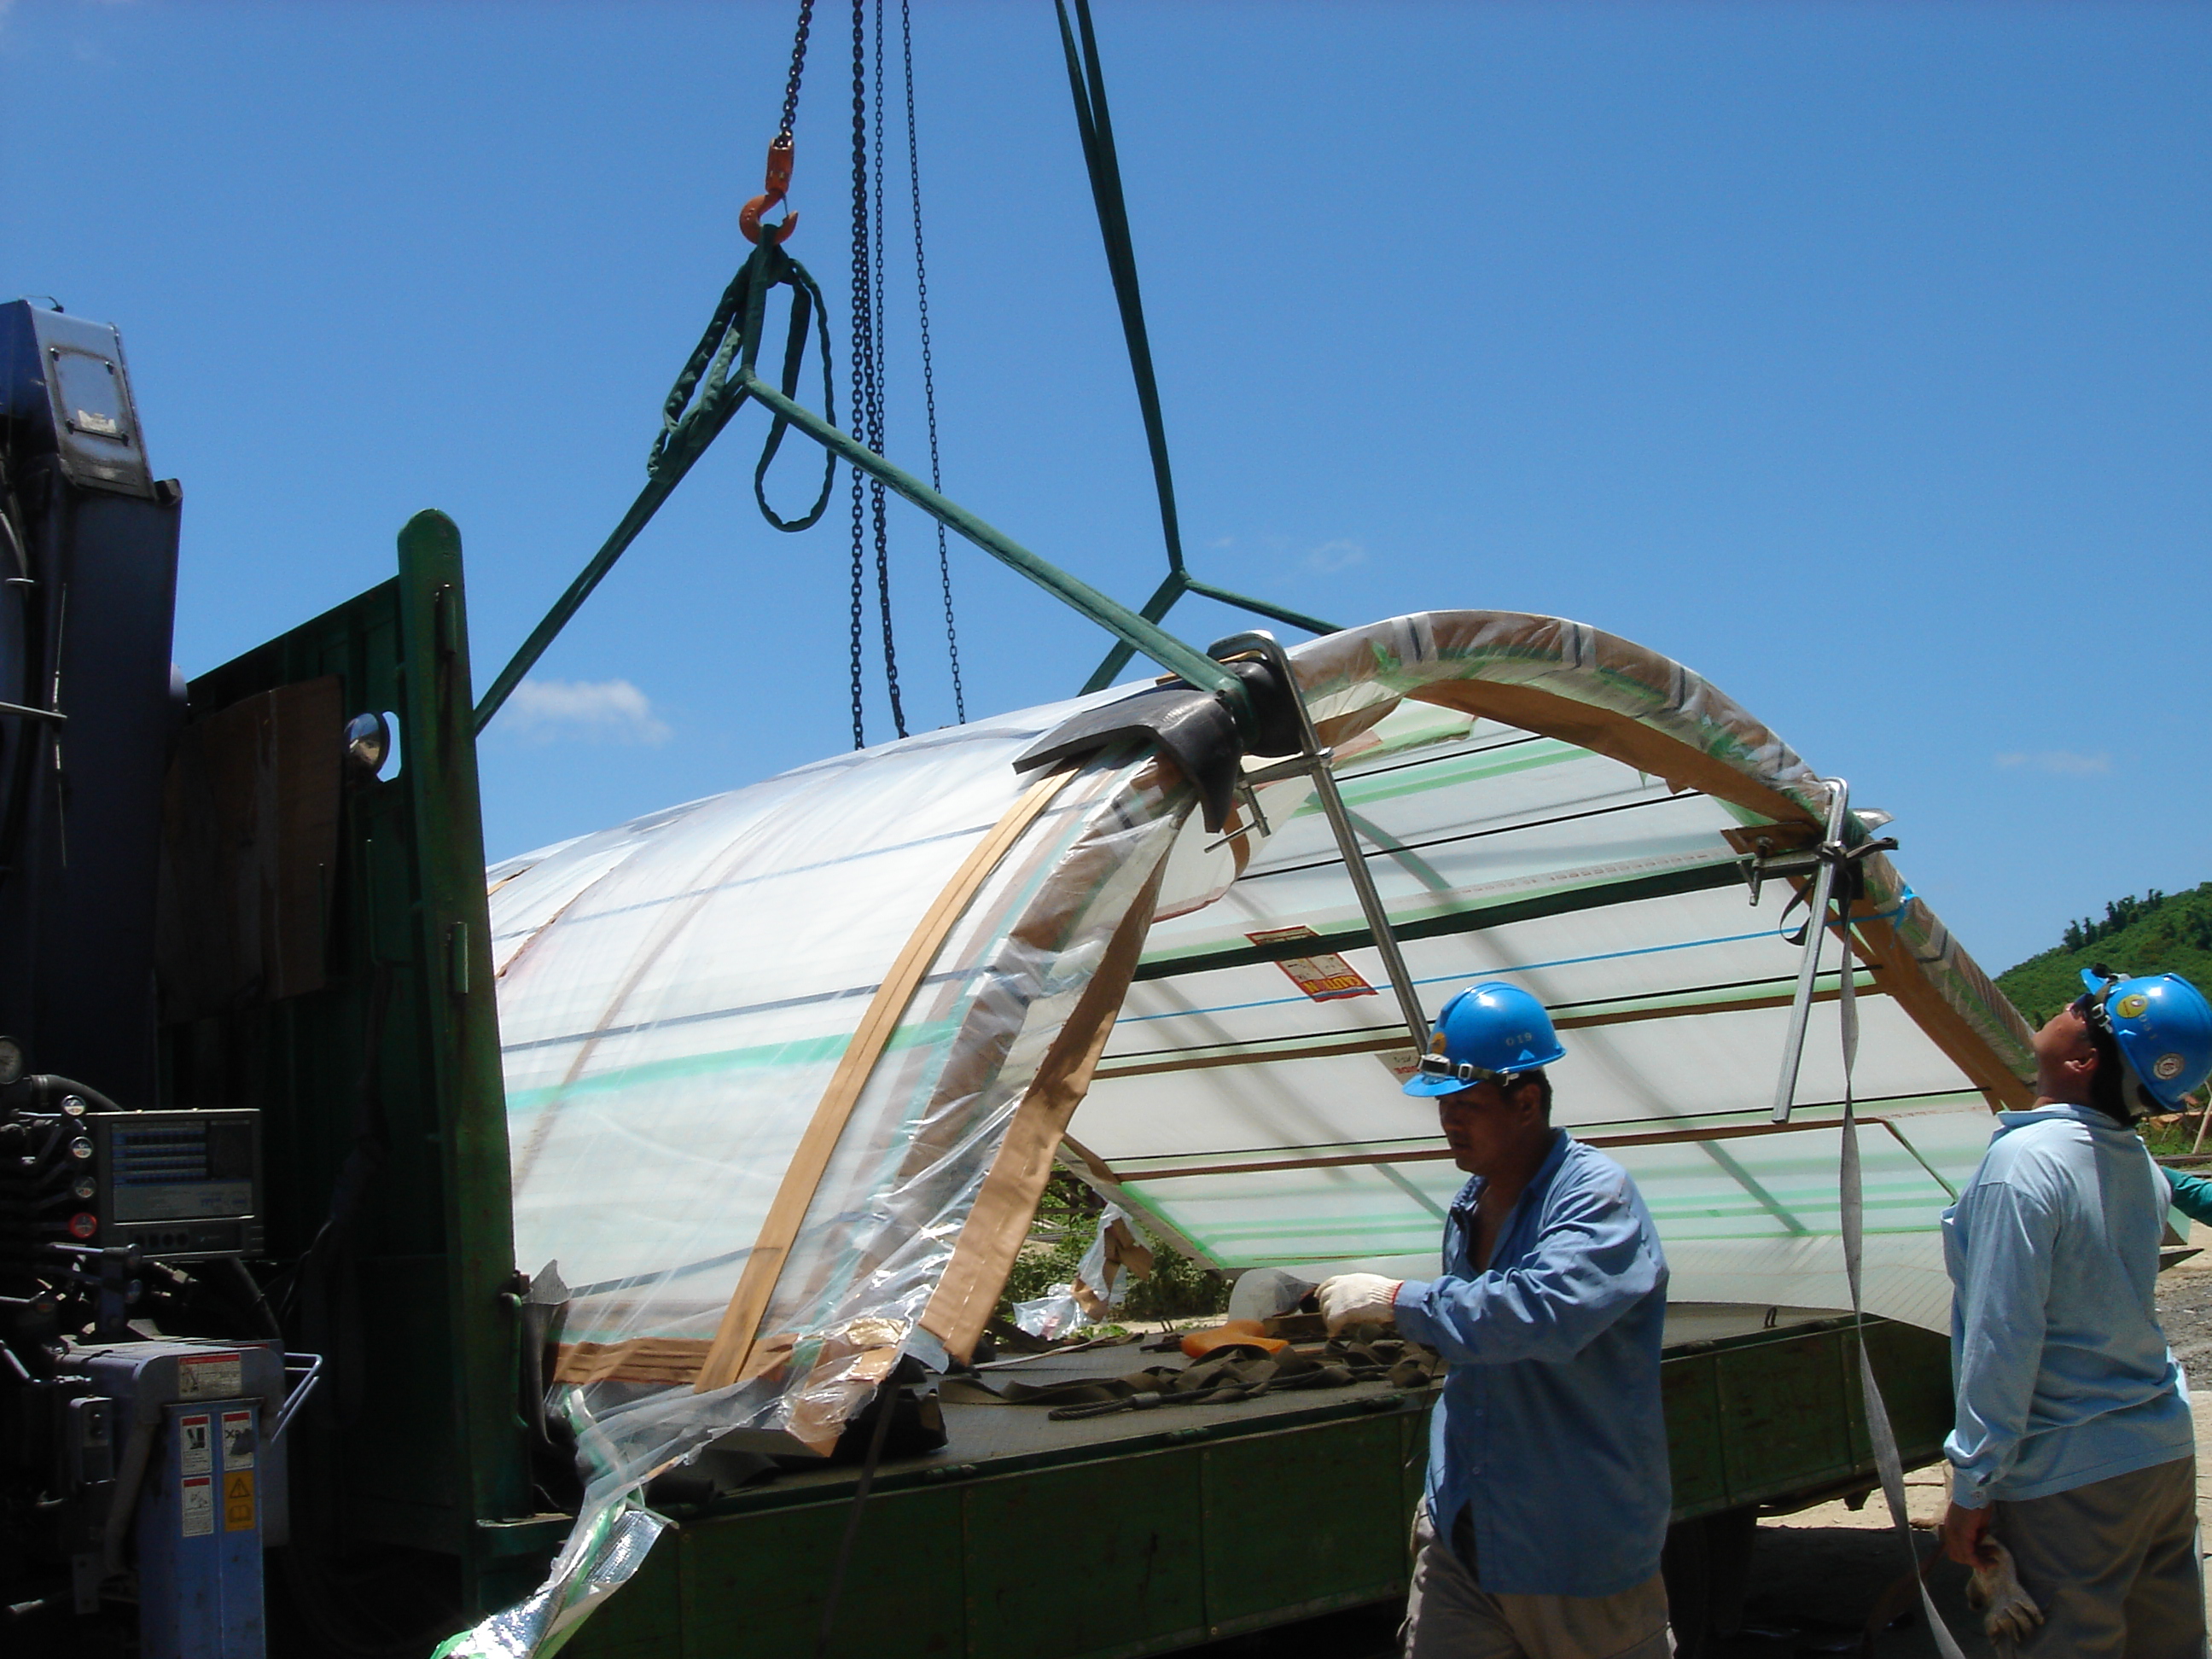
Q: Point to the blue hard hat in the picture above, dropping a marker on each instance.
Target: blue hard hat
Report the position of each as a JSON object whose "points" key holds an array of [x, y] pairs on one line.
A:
{"points": [[1485, 1034], [2162, 1026]]}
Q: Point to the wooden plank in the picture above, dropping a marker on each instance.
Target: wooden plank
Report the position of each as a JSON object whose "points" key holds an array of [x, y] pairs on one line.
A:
{"points": [[1268, 1056], [1622, 737], [1437, 1154], [998, 1222], [740, 1325]]}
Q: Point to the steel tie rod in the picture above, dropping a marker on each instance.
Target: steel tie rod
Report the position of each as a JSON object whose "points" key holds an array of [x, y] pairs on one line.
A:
{"points": [[1261, 643]]}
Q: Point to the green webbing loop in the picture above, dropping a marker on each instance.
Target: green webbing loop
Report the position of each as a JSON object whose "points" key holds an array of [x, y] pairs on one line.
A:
{"points": [[806, 297], [734, 333], [717, 380], [698, 406]]}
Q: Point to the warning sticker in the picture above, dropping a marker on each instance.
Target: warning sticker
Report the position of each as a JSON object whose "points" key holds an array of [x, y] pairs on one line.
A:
{"points": [[1325, 977], [239, 1440], [1401, 1063], [195, 1447], [196, 1502], [238, 1501], [210, 1377]]}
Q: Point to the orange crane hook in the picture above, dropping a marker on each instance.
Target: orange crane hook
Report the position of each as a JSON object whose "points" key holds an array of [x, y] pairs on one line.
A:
{"points": [[778, 181]]}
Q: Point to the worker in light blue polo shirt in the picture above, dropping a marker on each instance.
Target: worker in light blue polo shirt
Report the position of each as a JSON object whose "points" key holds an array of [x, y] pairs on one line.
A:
{"points": [[1546, 1507], [2073, 1446]]}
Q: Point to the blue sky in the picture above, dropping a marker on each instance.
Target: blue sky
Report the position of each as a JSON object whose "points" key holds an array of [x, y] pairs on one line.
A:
{"points": [[1856, 356]]}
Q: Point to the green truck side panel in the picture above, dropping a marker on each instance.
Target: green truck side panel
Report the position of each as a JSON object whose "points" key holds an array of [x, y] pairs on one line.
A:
{"points": [[1165, 1545], [1337, 1508], [1124, 1535], [417, 1440]]}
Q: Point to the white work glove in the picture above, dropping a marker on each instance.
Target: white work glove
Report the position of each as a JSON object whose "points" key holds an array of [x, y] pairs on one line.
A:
{"points": [[1357, 1299], [2007, 1612]]}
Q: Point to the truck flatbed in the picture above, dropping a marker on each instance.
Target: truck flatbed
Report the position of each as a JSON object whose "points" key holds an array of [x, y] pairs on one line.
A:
{"points": [[1142, 1532]]}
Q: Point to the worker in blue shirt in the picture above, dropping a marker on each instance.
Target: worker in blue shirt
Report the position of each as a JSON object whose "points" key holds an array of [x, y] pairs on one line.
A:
{"points": [[1539, 1533], [2191, 1194], [2073, 1445]]}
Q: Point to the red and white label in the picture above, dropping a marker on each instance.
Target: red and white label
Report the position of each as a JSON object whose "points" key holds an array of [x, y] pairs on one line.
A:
{"points": [[210, 1377], [239, 1440], [196, 1502], [195, 1446], [1325, 976]]}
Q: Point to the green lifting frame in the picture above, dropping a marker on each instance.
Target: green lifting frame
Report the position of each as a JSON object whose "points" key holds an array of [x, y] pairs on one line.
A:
{"points": [[730, 382], [729, 354]]}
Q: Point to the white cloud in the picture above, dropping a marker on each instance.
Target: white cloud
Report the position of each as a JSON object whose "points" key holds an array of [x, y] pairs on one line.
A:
{"points": [[598, 711], [1339, 554], [2063, 761]]}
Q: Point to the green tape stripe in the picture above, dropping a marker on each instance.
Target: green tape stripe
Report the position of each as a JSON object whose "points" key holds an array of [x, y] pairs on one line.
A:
{"points": [[767, 1056], [1566, 899], [1448, 772]]}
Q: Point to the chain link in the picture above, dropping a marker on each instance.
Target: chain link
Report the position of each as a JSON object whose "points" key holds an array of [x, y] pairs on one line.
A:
{"points": [[928, 366], [798, 66], [879, 500], [864, 344]]}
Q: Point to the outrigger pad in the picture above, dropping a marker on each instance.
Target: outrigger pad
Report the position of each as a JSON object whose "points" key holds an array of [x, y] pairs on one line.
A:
{"points": [[1190, 726]]}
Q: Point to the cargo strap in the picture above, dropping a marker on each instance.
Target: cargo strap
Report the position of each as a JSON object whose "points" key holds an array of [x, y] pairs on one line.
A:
{"points": [[1850, 1189], [1094, 125], [1239, 1373]]}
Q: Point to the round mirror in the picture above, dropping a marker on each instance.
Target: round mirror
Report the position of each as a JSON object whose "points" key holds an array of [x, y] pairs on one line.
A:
{"points": [[367, 742], [11, 1060]]}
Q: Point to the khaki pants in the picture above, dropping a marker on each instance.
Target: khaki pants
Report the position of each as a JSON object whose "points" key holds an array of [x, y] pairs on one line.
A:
{"points": [[1450, 1616], [2114, 1565]]}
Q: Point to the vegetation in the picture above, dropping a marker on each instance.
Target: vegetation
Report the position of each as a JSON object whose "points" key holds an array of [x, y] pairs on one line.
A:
{"points": [[1067, 1220], [2157, 934]]}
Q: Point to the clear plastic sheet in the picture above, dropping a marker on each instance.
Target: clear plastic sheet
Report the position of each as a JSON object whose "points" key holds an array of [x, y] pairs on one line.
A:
{"points": [[675, 996], [599, 1558], [1586, 859], [1554, 806]]}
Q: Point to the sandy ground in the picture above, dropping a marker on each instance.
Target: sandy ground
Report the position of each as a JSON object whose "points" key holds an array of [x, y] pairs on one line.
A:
{"points": [[1816, 1574]]}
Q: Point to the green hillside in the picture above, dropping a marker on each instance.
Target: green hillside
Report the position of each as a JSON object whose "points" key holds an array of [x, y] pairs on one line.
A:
{"points": [[2157, 934]]}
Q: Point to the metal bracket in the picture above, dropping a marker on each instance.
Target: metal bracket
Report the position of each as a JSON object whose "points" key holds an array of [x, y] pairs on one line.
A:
{"points": [[1248, 790], [1313, 760], [300, 1389]]}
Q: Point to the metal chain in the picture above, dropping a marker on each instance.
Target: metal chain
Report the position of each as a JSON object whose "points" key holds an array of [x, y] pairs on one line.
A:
{"points": [[864, 341], [798, 65], [878, 501], [929, 371]]}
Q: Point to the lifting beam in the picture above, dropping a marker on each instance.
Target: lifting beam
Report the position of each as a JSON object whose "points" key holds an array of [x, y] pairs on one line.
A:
{"points": [[730, 381]]}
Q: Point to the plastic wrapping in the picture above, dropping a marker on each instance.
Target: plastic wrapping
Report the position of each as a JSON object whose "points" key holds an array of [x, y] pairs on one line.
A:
{"points": [[675, 997], [1247, 1106], [599, 1558], [1551, 805]]}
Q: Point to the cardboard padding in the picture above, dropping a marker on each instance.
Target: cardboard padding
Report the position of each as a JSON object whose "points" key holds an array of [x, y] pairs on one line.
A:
{"points": [[1006, 1203], [733, 1340]]}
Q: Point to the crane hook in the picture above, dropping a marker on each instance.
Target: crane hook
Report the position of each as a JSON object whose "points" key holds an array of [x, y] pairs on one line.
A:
{"points": [[778, 181]]}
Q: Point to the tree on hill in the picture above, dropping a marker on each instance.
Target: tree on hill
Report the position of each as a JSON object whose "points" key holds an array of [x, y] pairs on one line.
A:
{"points": [[2157, 934]]}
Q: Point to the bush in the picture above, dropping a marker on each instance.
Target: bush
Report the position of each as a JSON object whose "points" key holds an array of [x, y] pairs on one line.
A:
{"points": [[1066, 1221]]}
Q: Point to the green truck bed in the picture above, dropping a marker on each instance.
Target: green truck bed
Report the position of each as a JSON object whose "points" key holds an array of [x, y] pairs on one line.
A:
{"points": [[1143, 1533]]}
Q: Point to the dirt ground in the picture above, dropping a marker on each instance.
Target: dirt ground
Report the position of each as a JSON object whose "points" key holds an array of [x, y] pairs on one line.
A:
{"points": [[1816, 1574]]}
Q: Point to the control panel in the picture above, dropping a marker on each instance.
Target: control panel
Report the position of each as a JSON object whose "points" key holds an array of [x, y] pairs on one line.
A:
{"points": [[177, 1184]]}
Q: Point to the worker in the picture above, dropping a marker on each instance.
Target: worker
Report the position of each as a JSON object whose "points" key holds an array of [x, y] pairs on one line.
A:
{"points": [[2191, 1194], [2073, 1446], [1545, 1505]]}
